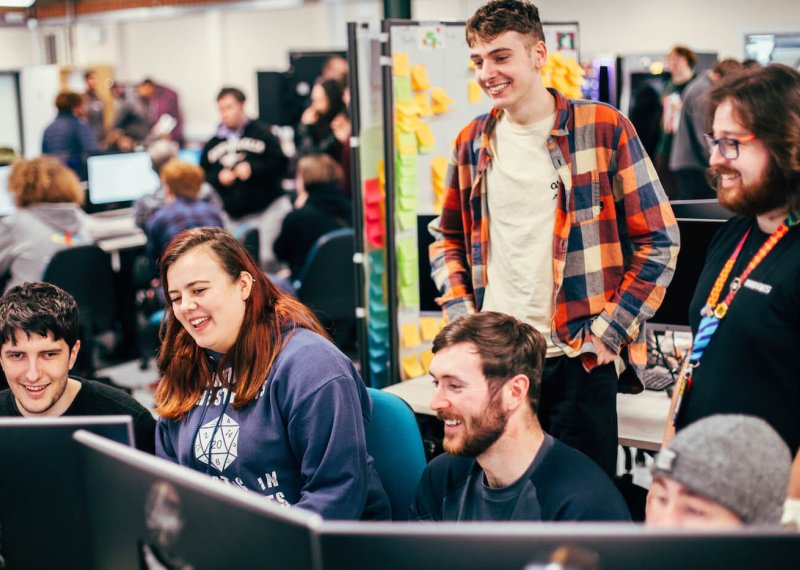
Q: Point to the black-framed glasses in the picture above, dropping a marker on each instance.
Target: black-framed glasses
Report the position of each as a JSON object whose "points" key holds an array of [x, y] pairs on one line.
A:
{"points": [[728, 147]]}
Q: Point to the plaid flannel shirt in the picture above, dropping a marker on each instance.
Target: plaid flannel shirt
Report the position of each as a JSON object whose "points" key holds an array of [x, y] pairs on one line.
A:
{"points": [[615, 237]]}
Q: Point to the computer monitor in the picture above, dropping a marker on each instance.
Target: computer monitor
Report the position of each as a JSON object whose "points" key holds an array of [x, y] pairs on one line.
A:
{"points": [[698, 223], [116, 180], [42, 516], [531, 546], [190, 155], [142, 508], [7, 205]]}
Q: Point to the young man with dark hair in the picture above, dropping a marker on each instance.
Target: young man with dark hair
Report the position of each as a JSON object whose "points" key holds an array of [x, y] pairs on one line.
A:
{"points": [[500, 465], [745, 312], [38, 347], [553, 213], [245, 165]]}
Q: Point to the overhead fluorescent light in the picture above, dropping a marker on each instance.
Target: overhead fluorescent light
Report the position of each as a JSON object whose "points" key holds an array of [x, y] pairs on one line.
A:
{"points": [[16, 3]]}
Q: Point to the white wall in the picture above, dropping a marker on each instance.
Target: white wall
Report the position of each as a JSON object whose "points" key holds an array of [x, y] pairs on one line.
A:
{"points": [[17, 48], [198, 51], [631, 26]]}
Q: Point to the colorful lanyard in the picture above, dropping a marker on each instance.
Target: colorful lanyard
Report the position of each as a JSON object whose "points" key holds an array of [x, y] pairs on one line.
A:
{"points": [[714, 311]]}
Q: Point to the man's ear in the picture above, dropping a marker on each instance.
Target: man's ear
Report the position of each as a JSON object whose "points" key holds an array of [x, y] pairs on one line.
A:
{"points": [[73, 354], [517, 391], [539, 55]]}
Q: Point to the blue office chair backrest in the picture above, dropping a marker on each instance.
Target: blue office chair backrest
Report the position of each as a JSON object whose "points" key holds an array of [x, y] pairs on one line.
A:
{"points": [[395, 443], [327, 284]]}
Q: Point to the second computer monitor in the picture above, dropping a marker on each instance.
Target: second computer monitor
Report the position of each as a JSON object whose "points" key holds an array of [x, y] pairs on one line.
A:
{"points": [[542, 546], [146, 512], [42, 517], [120, 178]]}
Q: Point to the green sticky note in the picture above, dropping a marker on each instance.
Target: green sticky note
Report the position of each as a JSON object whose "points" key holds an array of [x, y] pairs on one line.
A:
{"points": [[407, 251], [402, 90]]}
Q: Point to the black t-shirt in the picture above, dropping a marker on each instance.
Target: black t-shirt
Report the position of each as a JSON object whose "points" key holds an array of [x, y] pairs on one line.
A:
{"points": [[561, 484], [750, 364], [96, 399]]}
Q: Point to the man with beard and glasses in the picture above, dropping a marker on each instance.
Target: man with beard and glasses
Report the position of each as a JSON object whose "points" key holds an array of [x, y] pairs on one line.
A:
{"points": [[745, 313], [500, 465]]}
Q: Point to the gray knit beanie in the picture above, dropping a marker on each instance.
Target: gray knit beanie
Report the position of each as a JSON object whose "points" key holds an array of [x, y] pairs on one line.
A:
{"points": [[737, 461]]}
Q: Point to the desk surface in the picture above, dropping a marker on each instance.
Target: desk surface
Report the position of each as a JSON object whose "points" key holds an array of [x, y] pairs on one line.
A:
{"points": [[641, 417]]}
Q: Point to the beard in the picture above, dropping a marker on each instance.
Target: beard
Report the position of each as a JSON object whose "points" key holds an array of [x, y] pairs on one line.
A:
{"points": [[481, 432], [766, 194]]}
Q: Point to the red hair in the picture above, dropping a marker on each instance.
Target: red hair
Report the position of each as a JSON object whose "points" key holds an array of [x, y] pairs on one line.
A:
{"points": [[269, 319]]}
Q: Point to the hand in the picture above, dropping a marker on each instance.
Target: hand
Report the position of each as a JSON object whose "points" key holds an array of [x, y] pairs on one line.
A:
{"points": [[309, 116], [604, 353], [243, 170], [341, 128], [226, 177]]}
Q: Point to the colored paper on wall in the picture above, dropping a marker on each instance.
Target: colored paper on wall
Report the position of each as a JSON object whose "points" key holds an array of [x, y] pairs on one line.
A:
{"points": [[429, 327], [409, 296], [407, 219], [407, 142], [423, 103], [419, 77], [474, 91], [426, 356], [425, 138], [471, 64], [407, 250], [375, 234], [376, 264], [409, 334], [412, 367], [402, 90], [372, 191], [400, 66]]}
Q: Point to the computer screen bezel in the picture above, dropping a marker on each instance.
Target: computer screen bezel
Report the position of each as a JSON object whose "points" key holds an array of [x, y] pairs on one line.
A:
{"points": [[217, 496]]}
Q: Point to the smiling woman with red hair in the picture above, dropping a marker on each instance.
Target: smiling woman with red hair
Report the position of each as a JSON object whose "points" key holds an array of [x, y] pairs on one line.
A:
{"points": [[253, 392]]}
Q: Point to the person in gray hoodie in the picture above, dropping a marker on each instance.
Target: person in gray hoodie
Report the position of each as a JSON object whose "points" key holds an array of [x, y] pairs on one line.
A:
{"points": [[48, 219]]}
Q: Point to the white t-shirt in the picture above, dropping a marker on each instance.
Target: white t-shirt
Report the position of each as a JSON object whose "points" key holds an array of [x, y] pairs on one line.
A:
{"points": [[521, 191]]}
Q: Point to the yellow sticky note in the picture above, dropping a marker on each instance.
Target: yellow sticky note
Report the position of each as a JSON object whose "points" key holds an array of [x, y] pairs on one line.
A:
{"points": [[429, 327], [474, 91], [438, 168], [426, 356], [423, 104], [440, 96], [471, 64], [425, 136], [419, 77], [410, 334], [400, 65], [412, 367]]}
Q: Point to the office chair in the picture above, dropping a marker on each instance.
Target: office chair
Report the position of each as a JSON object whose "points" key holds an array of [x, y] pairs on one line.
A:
{"points": [[394, 442], [326, 284], [250, 239], [85, 273]]}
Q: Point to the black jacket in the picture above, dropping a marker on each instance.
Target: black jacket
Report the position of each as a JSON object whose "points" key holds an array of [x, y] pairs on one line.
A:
{"points": [[326, 209], [261, 149]]}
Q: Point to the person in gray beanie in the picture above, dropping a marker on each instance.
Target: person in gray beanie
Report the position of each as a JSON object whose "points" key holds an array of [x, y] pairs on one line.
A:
{"points": [[721, 471]]}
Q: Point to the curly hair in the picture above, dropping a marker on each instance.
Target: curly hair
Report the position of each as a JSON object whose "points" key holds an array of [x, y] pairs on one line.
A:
{"points": [[499, 16], [766, 101], [43, 179]]}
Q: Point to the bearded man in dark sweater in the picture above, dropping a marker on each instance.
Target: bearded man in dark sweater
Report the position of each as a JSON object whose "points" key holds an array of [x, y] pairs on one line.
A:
{"points": [[38, 347]]}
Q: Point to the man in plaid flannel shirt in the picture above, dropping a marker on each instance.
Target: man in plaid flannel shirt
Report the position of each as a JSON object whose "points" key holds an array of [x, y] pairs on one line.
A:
{"points": [[539, 161]]}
